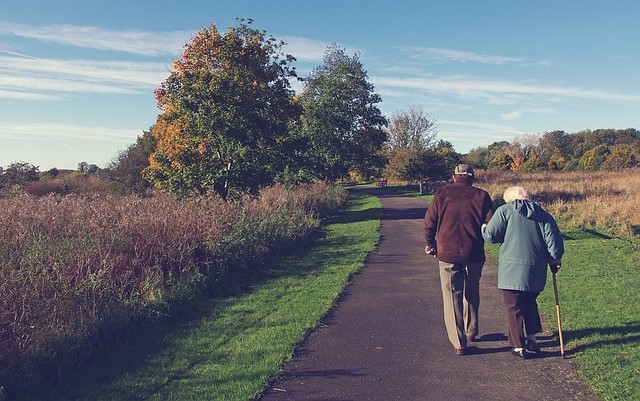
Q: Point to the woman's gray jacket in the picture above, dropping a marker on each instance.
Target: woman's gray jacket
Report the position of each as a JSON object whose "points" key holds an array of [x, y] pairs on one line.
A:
{"points": [[529, 239]]}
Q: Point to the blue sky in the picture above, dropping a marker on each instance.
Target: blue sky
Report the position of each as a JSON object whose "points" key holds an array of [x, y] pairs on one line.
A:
{"points": [[77, 76]]}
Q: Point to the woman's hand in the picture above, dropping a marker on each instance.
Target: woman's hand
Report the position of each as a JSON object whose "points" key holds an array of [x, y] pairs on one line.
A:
{"points": [[555, 265]]}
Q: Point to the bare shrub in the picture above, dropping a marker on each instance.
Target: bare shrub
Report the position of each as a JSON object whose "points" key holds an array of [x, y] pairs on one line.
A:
{"points": [[75, 183], [42, 188]]}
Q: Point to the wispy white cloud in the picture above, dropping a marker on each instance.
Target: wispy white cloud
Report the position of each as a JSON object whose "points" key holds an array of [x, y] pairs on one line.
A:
{"points": [[542, 110], [514, 115], [128, 41], [27, 74], [16, 54], [479, 126], [467, 134], [26, 95], [131, 72], [51, 131], [305, 49], [60, 85], [509, 91], [462, 56]]}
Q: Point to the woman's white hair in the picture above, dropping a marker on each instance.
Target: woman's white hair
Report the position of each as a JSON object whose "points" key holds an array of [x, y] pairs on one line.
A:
{"points": [[513, 193]]}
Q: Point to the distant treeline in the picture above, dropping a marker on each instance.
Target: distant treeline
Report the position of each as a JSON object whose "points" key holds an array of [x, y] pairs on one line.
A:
{"points": [[587, 150], [590, 150]]}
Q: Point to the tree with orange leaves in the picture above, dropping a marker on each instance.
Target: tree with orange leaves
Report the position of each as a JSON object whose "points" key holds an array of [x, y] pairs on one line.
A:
{"points": [[227, 107]]}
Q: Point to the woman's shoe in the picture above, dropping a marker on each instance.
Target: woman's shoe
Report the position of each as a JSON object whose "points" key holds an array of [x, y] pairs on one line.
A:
{"points": [[520, 353], [532, 346]]}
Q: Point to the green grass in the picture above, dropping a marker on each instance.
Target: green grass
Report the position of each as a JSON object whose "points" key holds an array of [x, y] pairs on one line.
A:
{"points": [[228, 349], [412, 190], [599, 303]]}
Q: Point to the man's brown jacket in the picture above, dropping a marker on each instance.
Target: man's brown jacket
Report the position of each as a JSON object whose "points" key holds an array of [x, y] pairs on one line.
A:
{"points": [[453, 220]]}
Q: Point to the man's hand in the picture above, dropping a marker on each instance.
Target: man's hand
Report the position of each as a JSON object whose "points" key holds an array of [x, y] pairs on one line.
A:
{"points": [[554, 265], [430, 251]]}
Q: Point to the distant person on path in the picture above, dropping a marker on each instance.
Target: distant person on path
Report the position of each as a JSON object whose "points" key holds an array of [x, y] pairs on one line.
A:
{"points": [[530, 241], [452, 233]]}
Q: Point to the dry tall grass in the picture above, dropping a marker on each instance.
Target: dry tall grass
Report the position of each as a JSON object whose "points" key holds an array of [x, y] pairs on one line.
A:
{"points": [[594, 200], [76, 270], [70, 184]]}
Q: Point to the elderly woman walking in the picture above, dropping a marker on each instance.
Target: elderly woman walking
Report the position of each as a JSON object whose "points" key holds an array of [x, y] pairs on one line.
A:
{"points": [[530, 240]]}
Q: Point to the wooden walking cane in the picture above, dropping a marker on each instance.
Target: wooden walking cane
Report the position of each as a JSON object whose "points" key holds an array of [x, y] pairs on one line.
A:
{"points": [[555, 292]]}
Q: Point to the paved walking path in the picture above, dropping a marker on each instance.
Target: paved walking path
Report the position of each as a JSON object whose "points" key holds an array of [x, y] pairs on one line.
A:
{"points": [[385, 339]]}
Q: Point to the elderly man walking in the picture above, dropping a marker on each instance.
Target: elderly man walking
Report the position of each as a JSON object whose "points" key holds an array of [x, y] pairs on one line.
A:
{"points": [[452, 234]]}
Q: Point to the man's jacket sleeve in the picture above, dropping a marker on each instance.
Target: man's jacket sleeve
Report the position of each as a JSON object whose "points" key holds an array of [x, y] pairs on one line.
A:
{"points": [[431, 223]]}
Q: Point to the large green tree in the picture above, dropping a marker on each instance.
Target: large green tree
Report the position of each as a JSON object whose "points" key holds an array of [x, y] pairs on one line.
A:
{"points": [[621, 157], [435, 163], [555, 142], [478, 157], [227, 106], [19, 173], [592, 159], [482, 156], [445, 160], [341, 121], [126, 168]]}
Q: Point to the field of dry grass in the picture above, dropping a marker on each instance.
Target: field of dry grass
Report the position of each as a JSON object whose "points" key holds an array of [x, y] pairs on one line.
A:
{"points": [[77, 270], [592, 200]]}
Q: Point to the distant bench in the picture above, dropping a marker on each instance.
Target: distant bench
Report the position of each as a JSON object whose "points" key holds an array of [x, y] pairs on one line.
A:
{"points": [[381, 182]]}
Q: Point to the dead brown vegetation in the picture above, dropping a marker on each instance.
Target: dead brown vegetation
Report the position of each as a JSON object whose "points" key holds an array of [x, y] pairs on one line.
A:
{"points": [[76, 270], [594, 200]]}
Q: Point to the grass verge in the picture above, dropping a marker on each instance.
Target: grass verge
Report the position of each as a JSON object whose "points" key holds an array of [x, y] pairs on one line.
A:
{"points": [[412, 190], [598, 291], [229, 348]]}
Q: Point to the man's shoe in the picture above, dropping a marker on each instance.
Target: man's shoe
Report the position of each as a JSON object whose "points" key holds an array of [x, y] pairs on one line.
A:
{"points": [[461, 351], [520, 354], [471, 339], [532, 346]]}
